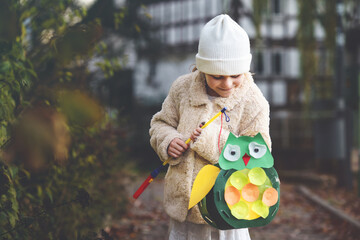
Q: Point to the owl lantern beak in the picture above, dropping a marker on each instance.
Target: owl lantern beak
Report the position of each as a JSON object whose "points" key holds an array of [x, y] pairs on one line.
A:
{"points": [[246, 159]]}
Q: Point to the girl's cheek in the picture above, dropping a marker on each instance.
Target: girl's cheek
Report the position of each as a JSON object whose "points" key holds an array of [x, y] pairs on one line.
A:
{"points": [[237, 83]]}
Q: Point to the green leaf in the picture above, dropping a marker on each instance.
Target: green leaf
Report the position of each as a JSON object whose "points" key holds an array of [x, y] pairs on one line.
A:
{"points": [[5, 66], [12, 217], [32, 72], [13, 171], [27, 173], [49, 194], [39, 191], [3, 217], [12, 192], [15, 206]]}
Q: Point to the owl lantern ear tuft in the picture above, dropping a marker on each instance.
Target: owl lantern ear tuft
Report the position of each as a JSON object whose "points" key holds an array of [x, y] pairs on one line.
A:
{"points": [[259, 137], [232, 136]]}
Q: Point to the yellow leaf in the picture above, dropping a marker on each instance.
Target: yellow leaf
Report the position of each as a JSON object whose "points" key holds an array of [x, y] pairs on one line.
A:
{"points": [[203, 183], [137, 28]]}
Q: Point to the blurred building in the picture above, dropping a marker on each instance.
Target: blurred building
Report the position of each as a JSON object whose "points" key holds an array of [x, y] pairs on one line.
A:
{"points": [[177, 24], [175, 27]]}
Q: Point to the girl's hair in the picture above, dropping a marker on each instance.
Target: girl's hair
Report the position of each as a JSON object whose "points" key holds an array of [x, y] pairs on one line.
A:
{"points": [[194, 68]]}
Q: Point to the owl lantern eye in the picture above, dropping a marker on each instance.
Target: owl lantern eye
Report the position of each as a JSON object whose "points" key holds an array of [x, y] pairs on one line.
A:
{"points": [[257, 150], [232, 152]]}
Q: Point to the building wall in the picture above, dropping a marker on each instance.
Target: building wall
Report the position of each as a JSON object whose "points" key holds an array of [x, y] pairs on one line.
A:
{"points": [[178, 24], [152, 86], [276, 60]]}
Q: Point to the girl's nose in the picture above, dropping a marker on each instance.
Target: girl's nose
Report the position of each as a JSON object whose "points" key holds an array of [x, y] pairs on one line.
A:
{"points": [[227, 82]]}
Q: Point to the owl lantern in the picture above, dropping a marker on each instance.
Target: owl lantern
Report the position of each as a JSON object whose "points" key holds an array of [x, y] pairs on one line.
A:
{"points": [[244, 192]]}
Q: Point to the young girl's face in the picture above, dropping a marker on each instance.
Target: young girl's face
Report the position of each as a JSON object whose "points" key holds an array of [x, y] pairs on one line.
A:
{"points": [[222, 86]]}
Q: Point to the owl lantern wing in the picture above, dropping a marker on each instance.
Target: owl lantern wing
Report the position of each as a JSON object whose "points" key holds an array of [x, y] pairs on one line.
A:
{"points": [[203, 183]]}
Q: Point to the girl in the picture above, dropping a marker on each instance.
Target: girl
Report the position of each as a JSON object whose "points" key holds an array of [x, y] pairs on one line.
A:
{"points": [[221, 79]]}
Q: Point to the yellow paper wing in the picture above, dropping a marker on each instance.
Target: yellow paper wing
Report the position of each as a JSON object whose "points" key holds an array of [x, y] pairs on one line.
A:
{"points": [[203, 183]]}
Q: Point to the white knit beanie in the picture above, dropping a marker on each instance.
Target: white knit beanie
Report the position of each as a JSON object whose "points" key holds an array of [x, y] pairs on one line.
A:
{"points": [[224, 48]]}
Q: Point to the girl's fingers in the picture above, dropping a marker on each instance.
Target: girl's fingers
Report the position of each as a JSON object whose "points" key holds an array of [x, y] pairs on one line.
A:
{"points": [[175, 152], [196, 133], [180, 145], [179, 148], [183, 144], [173, 155]]}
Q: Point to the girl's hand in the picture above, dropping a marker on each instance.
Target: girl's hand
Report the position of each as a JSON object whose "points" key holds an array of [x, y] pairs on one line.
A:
{"points": [[196, 133], [177, 147]]}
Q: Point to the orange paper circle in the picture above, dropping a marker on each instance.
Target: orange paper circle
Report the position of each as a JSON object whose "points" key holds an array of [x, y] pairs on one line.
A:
{"points": [[232, 195], [270, 197], [250, 192]]}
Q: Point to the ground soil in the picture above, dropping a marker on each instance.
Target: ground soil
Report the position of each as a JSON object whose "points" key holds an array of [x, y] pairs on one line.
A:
{"points": [[297, 219]]}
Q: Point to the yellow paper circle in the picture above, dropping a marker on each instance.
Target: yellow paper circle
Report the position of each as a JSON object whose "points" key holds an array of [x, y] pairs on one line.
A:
{"points": [[260, 208], [257, 176], [240, 210], [238, 180]]}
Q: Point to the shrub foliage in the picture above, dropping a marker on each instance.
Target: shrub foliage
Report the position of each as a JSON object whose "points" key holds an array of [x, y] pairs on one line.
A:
{"points": [[60, 150]]}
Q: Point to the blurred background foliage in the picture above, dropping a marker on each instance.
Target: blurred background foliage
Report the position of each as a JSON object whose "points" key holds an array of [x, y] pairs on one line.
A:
{"points": [[67, 98], [61, 147]]}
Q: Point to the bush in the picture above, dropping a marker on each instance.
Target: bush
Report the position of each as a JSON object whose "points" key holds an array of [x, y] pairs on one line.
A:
{"points": [[63, 200], [60, 152]]}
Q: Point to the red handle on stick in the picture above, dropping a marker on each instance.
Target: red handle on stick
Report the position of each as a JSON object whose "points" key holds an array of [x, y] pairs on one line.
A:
{"points": [[143, 186]]}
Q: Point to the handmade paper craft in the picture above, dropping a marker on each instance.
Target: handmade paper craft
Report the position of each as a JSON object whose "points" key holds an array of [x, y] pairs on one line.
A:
{"points": [[245, 152], [246, 189], [203, 184]]}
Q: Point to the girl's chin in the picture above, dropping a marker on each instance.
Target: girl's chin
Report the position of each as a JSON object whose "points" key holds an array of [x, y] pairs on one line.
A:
{"points": [[225, 94]]}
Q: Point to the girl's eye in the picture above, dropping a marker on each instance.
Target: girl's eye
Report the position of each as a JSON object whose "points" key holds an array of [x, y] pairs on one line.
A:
{"points": [[257, 150], [232, 152], [221, 77], [217, 77]]}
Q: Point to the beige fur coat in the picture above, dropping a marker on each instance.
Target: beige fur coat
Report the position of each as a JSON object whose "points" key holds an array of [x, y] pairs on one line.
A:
{"points": [[186, 106]]}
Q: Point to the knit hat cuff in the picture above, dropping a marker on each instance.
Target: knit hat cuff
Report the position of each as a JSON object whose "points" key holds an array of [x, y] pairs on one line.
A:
{"points": [[225, 67]]}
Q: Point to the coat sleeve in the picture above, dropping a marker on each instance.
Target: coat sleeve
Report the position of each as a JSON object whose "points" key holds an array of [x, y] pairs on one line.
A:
{"points": [[207, 144], [163, 127], [259, 124]]}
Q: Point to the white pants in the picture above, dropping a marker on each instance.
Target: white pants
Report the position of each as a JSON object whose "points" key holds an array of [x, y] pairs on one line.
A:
{"points": [[192, 231]]}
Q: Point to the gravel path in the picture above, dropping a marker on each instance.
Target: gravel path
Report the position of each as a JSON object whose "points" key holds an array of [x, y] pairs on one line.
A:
{"points": [[297, 219]]}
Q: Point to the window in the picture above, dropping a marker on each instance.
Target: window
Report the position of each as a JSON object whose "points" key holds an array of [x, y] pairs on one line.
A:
{"points": [[259, 67], [264, 87], [276, 63], [279, 93], [276, 7]]}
